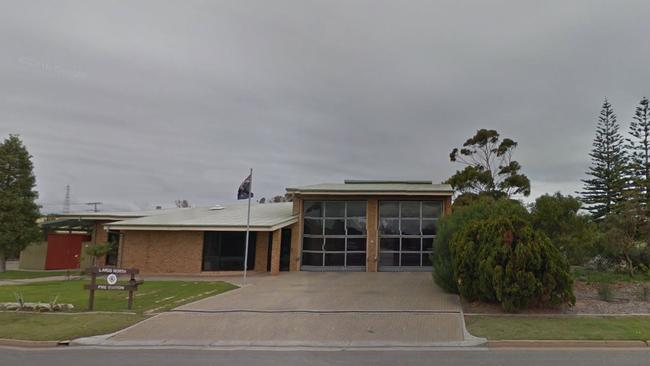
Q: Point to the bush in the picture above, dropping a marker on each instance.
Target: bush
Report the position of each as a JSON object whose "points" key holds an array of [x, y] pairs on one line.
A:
{"points": [[502, 259], [572, 233], [463, 215], [605, 292]]}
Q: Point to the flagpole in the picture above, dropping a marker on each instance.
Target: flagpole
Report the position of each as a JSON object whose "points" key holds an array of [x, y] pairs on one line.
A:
{"points": [[248, 225]]}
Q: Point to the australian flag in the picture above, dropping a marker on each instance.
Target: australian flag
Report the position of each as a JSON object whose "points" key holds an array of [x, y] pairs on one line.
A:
{"points": [[244, 191]]}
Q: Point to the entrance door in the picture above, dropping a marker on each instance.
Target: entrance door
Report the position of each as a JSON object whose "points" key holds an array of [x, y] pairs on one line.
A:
{"points": [[285, 250], [334, 236]]}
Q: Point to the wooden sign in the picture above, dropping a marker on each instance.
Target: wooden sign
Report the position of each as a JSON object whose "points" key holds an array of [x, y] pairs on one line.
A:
{"points": [[109, 270], [111, 285]]}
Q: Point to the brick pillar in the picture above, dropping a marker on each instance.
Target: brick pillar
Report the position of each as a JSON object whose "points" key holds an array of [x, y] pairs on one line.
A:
{"points": [[275, 251], [447, 205], [261, 251], [372, 243], [296, 235]]}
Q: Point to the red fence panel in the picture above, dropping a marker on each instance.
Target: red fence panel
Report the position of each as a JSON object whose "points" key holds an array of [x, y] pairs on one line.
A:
{"points": [[64, 250]]}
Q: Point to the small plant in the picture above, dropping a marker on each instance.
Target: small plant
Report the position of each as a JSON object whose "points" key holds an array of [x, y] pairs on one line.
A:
{"points": [[605, 292], [20, 299], [97, 251], [644, 293], [54, 303]]}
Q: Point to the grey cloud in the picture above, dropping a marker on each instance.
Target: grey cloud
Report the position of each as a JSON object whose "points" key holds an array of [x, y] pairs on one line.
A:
{"points": [[140, 105]]}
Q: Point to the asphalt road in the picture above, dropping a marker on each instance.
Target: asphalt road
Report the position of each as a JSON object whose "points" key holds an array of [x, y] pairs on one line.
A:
{"points": [[187, 357]]}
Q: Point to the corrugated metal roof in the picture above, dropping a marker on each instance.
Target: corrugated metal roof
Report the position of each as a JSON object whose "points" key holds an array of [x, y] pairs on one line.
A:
{"points": [[268, 216], [117, 215], [376, 187]]}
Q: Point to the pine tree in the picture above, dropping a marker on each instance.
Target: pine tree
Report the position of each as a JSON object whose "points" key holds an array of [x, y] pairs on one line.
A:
{"points": [[18, 210], [604, 190], [639, 155]]}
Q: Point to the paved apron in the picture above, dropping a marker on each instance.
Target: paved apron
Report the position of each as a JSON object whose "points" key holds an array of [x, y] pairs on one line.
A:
{"points": [[313, 309]]}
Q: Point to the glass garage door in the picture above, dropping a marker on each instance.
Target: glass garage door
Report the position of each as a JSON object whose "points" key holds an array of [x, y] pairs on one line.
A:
{"points": [[406, 233], [334, 236]]}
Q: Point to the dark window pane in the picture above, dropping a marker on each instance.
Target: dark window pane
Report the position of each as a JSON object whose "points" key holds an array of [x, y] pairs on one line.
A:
{"points": [[389, 226], [389, 259], [335, 259], [312, 244], [411, 244], [335, 244], [411, 227], [334, 209], [313, 209], [312, 259], [313, 226], [411, 209], [356, 259], [410, 259], [427, 243], [432, 209], [356, 244], [388, 209], [334, 227], [356, 209], [429, 227], [356, 226], [426, 259], [389, 244]]}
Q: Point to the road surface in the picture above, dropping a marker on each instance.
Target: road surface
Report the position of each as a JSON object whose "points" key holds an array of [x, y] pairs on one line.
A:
{"points": [[77, 356]]}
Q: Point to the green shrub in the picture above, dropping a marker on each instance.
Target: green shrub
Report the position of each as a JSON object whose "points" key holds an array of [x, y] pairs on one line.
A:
{"points": [[502, 259], [461, 216], [574, 234], [605, 292]]}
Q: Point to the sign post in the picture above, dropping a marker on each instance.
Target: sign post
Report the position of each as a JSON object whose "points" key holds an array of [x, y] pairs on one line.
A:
{"points": [[111, 283]]}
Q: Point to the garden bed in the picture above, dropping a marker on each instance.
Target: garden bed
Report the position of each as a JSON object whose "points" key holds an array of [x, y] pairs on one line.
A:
{"points": [[624, 296]]}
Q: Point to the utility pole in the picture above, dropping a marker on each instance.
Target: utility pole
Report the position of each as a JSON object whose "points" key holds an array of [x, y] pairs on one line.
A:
{"points": [[66, 201], [94, 204]]}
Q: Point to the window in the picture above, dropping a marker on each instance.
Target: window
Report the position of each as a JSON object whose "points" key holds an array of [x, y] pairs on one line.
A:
{"points": [[406, 233], [334, 235], [225, 251]]}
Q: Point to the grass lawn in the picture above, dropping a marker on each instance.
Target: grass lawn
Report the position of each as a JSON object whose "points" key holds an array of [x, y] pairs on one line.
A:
{"points": [[593, 276], [562, 328], [57, 327], [19, 275], [151, 295]]}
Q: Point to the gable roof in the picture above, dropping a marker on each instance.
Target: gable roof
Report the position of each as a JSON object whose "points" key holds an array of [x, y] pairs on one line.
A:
{"points": [[264, 217]]}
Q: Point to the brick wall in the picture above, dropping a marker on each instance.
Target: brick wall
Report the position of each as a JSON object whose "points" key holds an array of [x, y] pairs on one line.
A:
{"points": [[162, 251]]}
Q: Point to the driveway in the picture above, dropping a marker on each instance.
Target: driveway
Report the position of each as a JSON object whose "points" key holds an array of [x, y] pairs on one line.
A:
{"points": [[314, 310]]}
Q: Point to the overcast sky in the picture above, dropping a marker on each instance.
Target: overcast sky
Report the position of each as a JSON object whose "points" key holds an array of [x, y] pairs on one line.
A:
{"points": [[139, 103]]}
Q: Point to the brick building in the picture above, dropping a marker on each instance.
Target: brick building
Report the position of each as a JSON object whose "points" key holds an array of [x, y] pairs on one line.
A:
{"points": [[352, 226]]}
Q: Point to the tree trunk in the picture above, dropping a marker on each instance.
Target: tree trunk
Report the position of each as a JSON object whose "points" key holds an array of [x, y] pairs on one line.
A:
{"points": [[3, 263], [629, 264]]}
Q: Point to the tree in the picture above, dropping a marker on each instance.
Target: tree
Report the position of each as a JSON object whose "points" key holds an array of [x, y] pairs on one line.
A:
{"points": [[639, 155], [558, 217], [182, 203], [18, 209], [626, 232], [262, 200], [489, 168], [603, 192]]}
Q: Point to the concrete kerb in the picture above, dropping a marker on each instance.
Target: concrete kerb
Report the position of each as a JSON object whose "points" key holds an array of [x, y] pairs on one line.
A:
{"points": [[566, 344]]}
